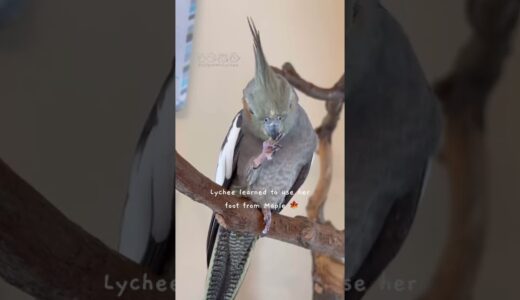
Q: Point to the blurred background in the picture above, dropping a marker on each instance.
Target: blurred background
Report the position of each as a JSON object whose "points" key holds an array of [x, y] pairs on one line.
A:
{"points": [[77, 81], [310, 35], [437, 30]]}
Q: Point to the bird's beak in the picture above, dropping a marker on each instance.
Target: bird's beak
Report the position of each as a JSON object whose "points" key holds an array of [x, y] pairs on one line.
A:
{"points": [[272, 128]]}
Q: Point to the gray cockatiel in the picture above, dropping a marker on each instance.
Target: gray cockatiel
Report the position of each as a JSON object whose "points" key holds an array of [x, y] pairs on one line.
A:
{"points": [[269, 147], [147, 228], [393, 129]]}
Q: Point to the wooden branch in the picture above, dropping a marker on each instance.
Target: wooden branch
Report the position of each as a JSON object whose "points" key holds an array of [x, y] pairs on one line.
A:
{"points": [[335, 93], [464, 93], [298, 231], [49, 257], [328, 274]]}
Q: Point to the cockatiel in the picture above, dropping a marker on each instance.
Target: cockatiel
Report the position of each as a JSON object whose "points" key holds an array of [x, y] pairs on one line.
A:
{"points": [[148, 220], [393, 130], [269, 147]]}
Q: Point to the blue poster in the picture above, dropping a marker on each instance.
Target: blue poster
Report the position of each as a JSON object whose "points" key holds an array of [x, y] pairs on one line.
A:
{"points": [[185, 21]]}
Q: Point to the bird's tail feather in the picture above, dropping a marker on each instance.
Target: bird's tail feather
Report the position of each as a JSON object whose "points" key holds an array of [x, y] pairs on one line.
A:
{"points": [[229, 263]]}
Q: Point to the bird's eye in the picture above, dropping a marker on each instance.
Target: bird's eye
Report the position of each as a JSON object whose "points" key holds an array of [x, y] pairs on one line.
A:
{"points": [[279, 118], [266, 120]]}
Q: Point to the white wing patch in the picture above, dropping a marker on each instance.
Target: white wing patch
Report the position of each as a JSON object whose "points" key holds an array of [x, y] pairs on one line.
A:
{"points": [[226, 156]]}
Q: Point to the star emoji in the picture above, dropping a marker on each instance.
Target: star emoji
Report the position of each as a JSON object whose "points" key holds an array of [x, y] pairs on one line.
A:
{"points": [[294, 204]]}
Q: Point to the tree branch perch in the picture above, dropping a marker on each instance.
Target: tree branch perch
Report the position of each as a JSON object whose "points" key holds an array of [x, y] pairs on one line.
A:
{"points": [[464, 94], [335, 93], [48, 256], [298, 231]]}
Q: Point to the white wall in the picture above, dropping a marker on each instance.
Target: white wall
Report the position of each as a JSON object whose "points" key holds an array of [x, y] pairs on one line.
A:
{"points": [[309, 34]]}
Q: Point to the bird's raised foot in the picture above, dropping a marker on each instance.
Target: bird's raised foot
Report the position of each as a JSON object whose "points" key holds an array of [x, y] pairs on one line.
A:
{"points": [[267, 221], [269, 147]]}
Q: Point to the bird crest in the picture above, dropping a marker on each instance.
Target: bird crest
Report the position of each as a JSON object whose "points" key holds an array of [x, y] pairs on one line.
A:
{"points": [[264, 75], [268, 89]]}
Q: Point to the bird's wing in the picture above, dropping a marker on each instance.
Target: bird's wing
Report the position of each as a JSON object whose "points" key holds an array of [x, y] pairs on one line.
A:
{"points": [[390, 239], [147, 228], [226, 170]]}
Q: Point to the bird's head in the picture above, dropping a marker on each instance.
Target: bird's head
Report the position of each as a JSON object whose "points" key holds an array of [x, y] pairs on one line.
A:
{"points": [[270, 102]]}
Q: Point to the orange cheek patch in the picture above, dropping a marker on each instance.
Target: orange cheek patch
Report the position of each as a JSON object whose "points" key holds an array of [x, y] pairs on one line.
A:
{"points": [[246, 109]]}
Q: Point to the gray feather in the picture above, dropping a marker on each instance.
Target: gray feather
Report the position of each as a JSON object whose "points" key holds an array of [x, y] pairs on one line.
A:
{"points": [[393, 127], [147, 227]]}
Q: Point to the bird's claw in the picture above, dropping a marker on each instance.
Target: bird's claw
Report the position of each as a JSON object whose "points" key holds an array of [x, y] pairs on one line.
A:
{"points": [[269, 147], [267, 221], [279, 137], [220, 220]]}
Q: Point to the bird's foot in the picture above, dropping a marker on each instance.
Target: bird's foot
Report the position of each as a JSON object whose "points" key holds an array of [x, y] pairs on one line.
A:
{"points": [[221, 221], [269, 147], [267, 221]]}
